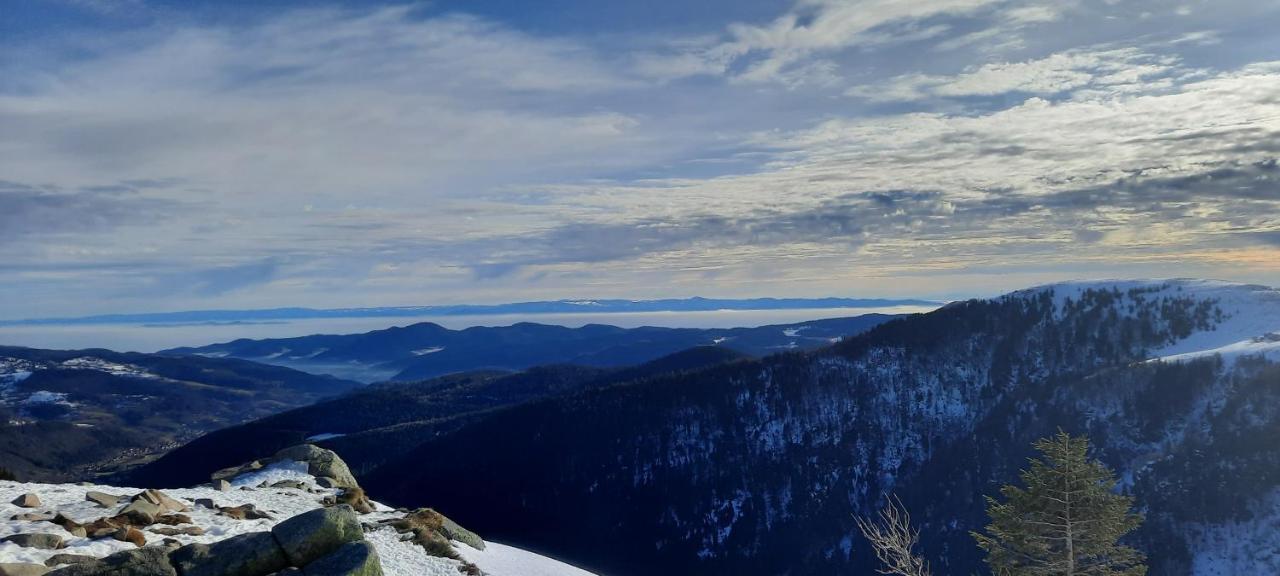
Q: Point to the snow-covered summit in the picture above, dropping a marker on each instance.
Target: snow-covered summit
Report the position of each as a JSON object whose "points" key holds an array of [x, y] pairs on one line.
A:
{"points": [[282, 490], [1249, 313]]}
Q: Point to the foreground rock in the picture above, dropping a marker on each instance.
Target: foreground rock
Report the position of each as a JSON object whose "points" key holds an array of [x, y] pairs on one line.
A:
{"points": [[60, 559], [22, 569], [102, 499], [40, 541], [426, 525], [28, 500], [148, 561], [325, 465], [322, 542], [351, 559], [309, 536], [254, 553]]}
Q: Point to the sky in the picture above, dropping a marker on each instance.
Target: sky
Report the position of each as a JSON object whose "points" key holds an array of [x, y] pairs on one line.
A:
{"points": [[170, 155]]}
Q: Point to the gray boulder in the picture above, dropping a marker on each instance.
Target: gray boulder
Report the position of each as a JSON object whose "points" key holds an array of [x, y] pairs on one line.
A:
{"points": [[28, 500], [321, 463], [102, 499], [161, 500], [38, 540], [255, 553], [226, 474], [146, 561], [326, 482], [141, 512], [60, 559], [352, 559], [20, 569], [453, 531], [313, 534]]}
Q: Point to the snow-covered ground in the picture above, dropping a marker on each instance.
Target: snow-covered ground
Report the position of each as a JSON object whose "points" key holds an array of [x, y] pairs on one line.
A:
{"points": [[398, 558], [1267, 346], [1252, 313], [1242, 547]]}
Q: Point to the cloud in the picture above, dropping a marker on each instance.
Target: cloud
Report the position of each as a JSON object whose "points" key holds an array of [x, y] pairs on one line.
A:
{"points": [[223, 279], [1133, 174], [406, 154], [30, 210], [1112, 70], [315, 103], [780, 51], [1237, 193]]}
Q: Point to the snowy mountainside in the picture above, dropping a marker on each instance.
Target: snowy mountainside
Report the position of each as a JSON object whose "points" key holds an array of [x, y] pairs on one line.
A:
{"points": [[398, 557], [76, 413], [1242, 312], [760, 467]]}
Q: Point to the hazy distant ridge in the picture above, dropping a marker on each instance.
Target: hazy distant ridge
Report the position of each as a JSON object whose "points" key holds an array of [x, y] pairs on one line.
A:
{"points": [[542, 307]]}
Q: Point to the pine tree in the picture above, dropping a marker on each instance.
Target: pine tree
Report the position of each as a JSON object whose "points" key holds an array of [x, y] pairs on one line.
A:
{"points": [[1066, 521]]}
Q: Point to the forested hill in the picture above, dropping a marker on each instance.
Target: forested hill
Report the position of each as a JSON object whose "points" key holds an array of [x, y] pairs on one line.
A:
{"points": [[73, 414], [760, 467], [426, 350]]}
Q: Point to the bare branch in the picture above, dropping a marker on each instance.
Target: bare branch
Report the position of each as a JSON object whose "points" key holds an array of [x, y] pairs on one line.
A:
{"points": [[893, 540]]}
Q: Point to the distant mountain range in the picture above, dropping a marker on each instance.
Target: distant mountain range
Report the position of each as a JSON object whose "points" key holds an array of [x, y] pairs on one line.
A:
{"points": [[426, 350], [542, 307]]}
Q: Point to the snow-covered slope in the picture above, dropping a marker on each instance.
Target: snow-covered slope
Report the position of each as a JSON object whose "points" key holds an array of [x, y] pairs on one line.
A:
{"points": [[1250, 313], [399, 558]]}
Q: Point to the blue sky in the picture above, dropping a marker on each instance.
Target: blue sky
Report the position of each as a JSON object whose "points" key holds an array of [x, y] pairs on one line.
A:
{"points": [[177, 155]]}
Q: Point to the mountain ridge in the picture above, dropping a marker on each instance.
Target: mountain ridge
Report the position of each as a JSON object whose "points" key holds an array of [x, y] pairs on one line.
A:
{"points": [[425, 350], [760, 467]]}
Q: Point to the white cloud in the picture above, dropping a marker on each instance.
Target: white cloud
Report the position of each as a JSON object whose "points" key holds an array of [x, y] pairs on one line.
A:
{"points": [[396, 155], [772, 52], [1114, 69], [1033, 14]]}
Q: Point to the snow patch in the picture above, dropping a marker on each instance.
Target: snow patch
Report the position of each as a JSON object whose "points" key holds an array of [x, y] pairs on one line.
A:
{"points": [[283, 470], [1267, 346], [501, 559], [1245, 547], [47, 397], [324, 436], [793, 332], [425, 351]]}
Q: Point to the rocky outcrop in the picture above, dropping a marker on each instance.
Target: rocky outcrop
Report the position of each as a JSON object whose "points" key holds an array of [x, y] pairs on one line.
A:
{"points": [[322, 542], [356, 499], [325, 465], [427, 525]]}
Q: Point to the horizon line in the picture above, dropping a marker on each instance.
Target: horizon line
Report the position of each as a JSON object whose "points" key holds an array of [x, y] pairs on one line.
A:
{"points": [[563, 306]]}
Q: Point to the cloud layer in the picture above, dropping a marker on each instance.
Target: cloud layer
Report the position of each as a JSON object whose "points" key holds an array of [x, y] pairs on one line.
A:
{"points": [[404, 155]]}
